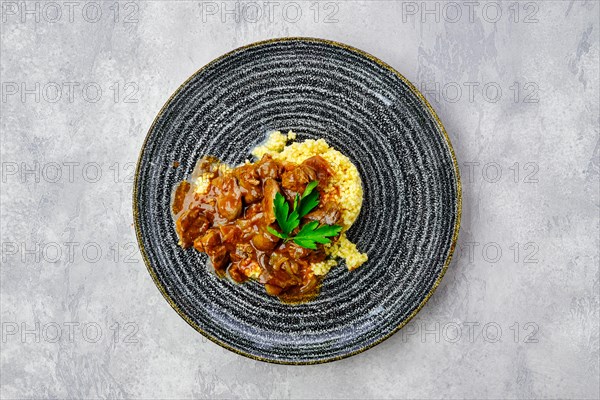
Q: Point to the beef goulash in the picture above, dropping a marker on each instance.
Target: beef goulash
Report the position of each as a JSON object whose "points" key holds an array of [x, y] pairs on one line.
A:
{"points": [[280, 221]]}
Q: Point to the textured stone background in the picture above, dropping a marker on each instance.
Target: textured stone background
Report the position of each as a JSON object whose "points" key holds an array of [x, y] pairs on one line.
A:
{"points": [[516, 85]]}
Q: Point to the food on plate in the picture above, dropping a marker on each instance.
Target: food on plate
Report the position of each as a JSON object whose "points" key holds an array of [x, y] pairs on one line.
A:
{"points": [[280, 220]]}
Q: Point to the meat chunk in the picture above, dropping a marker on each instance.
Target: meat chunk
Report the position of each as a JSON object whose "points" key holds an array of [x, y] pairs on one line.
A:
{"points": [[229, 199], [270, 189], [219, 257], [294, 251], [253, 210], [249, 183], [190, 225], [280, 262], [210, 239], [321, 168], [268, 168], [241, 270], [230, 233], [236, 273], [280, 278], [327, 214], [243, 251], [297, 178], [263, 240], [211, 244]]}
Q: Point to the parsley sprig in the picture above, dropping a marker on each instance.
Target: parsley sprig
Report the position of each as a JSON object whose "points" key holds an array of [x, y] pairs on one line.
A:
{"points": [[311, 233]]}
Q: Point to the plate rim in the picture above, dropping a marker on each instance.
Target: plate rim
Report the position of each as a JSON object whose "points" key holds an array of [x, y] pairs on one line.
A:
{"points": [[412, 88]]}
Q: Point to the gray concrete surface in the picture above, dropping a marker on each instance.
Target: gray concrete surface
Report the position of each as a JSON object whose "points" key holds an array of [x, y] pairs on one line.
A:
{"points": [[516, 84]]}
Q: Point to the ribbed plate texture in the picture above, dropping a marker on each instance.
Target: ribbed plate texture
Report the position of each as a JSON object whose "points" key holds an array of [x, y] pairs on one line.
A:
{"points": [[409, 218]]}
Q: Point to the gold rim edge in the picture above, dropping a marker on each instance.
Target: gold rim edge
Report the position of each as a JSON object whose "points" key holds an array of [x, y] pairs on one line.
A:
{"points": [[456, 224]]}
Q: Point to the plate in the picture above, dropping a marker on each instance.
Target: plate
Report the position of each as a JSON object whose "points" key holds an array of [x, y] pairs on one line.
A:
{"points": [[409, 220]]}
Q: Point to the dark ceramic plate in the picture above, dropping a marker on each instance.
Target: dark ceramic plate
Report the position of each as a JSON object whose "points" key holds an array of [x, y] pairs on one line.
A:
{"points": [[410, 215]]}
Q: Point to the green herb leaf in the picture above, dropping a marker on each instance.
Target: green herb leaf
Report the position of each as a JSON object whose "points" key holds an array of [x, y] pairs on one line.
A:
{"points": [[287, 221], [275, 233], [309, 200], [311, 234], [309, 188]]}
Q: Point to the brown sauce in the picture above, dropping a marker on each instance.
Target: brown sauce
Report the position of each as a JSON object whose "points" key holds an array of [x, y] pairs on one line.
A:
{"points": [[229, 222]]}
